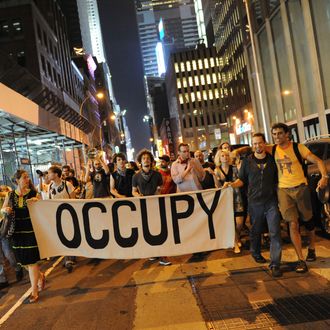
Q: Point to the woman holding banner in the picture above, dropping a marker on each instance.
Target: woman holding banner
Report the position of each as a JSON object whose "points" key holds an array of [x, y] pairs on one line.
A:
{"points": [[24, 241]]}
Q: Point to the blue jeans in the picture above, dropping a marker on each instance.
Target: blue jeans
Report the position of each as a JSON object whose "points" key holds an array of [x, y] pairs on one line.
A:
{"points": [[6, 251], [260, 214]]}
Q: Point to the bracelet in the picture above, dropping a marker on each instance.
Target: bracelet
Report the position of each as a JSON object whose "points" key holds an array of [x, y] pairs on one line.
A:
{"points": [[325, 176]]}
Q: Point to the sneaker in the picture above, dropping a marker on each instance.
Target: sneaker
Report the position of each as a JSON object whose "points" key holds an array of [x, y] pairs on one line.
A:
{"points": [[259, 259], [19, 275], [311, 256], [301, 267], [152, 259], [164, 262], [276, 271]]}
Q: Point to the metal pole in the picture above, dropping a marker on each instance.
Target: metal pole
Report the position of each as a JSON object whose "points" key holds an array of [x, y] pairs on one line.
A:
{"points": [[74, 160], [256, 70], [3, 163], [64, 153], [28, 152], [13, 135]]}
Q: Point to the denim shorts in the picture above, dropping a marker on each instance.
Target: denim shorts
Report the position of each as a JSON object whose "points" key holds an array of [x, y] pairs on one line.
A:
{"points": [[295, 203]]}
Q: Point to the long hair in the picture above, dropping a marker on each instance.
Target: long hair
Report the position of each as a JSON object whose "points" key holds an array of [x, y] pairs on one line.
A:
{"points": [[217, 157]]}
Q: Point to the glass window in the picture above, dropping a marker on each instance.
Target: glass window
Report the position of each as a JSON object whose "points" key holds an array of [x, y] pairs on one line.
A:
{"points": [[176, 67], [191, 83], [17, 27], [283, 68], [196, 81], [182, 66], [202, 80], [268, 76], [303, 61], [178, 83], [188, 66], [206, 63], [184, 82], [200, 64], [4, 29], [321, 17]]}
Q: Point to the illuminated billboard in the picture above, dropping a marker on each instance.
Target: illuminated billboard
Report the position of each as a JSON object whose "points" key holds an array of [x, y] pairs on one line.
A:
{"points": [[161, 30], [160, 59]]}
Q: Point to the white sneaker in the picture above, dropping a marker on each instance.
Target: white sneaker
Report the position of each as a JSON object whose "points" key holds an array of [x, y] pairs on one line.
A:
{"points": [[165, 262]]}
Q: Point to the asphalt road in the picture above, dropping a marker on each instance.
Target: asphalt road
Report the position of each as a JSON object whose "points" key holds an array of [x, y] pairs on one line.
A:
{"points": [[208, 292]]}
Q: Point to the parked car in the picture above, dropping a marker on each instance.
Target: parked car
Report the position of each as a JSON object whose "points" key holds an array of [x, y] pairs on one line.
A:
{"points": [[320, 146]]}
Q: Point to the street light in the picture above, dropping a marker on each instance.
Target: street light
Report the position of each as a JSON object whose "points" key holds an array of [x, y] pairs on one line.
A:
{"points": [[100, 96]]}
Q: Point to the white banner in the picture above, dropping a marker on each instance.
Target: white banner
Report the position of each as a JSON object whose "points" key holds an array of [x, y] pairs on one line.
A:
{"points": [[162, 225]]}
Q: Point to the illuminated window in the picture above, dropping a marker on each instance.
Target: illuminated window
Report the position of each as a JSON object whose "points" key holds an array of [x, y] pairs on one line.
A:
{"points": [[208, 79], [206, 63], [181, 99], [212, 62], [198, 96], [200, 64], [182, 67], [196, 81], [204, 95], [191, 82], [192, 96], [184, 81], [194, 65], [216, 93], [188, 66], [202, 80], [214, 78], [211, 94], [178, 83], [176, 66]]}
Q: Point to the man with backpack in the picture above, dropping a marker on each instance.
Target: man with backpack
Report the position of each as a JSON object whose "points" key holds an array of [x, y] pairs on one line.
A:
{"points": [[61, 189], [293, 191]]}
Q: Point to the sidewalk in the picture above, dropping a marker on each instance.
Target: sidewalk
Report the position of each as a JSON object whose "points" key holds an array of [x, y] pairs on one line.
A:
{"points": [[234, 292]]}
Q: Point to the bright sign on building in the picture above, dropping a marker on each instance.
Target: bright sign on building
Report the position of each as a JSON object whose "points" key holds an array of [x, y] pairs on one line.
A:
{"points": [[160, 59], [161, 30]]}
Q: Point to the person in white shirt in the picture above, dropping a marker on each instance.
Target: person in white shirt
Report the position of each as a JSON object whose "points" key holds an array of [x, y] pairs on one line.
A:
{"points": [[61, 189]]}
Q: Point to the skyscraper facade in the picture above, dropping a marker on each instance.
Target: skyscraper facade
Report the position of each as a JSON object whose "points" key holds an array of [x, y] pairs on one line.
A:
{"points": [[180, 29], [91, 28]]}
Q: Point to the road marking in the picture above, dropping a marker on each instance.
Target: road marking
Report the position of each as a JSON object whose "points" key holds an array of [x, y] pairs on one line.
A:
{"points": [[27, 293]]}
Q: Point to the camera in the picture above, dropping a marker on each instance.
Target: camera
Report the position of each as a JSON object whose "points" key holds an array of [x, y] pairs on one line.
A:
{"points": [[39, 173]]}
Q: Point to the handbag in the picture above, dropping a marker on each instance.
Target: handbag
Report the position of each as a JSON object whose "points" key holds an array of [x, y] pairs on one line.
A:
{"points": [[7, 225]]}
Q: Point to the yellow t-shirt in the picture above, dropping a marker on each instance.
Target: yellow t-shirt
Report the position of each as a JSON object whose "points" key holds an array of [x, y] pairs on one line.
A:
{"points": [[290, 171]]}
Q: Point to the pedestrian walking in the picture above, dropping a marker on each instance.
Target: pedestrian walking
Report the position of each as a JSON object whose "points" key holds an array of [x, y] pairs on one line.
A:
{"points": [[24, 241], [187, 172], [259, 173], [293, 190]]}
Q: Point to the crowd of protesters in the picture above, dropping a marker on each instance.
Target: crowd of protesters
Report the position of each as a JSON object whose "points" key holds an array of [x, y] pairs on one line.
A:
{"points": [[268, 185]]}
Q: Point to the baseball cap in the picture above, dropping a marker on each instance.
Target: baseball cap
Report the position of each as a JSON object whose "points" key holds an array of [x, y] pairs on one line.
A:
{"points": [[165, 157]]}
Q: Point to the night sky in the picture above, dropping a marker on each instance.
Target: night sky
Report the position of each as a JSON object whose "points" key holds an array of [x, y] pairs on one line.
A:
{"points": [[121, 42]]}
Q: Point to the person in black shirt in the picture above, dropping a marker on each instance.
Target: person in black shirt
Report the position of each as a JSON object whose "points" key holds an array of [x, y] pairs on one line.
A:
{"points": [[121, 178], [208, 167], [259, 173], [98, 173], [147, 181]]}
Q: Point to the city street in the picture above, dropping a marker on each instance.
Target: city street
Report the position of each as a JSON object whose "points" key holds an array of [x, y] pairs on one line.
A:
{"points": [[219, 290]]}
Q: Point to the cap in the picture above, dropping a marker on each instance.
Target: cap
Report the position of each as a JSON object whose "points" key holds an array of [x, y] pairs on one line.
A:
{"points": [[165, 157]]}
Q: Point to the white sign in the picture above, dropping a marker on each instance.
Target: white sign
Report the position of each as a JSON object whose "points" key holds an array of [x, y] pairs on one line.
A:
{"points": [[243, 128], [217, 133], [163, 225]]}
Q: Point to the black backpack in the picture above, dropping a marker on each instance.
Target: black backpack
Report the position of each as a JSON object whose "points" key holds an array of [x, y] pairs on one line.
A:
{"points": [[298, 155]]}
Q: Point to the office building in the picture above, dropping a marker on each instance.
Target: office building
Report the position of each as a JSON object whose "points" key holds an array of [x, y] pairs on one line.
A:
{"points": [[291, 51], [180, 29], [193, 84]]}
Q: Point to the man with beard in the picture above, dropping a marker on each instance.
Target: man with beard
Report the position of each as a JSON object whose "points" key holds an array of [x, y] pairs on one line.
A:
{"points": [[148, 182], [121, 178], [98, 173], [168, 187], [259, 173]]}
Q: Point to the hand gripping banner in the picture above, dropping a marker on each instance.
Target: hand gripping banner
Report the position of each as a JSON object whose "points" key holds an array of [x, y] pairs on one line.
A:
{"points": [[162, 225]]}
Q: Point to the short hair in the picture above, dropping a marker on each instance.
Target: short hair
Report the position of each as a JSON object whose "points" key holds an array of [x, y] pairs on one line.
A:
{"points": [[258, 134], [56, 169], [66, 167], [182, 145], [283, 126], [118, 155], [72, 171], [144, 152]]}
